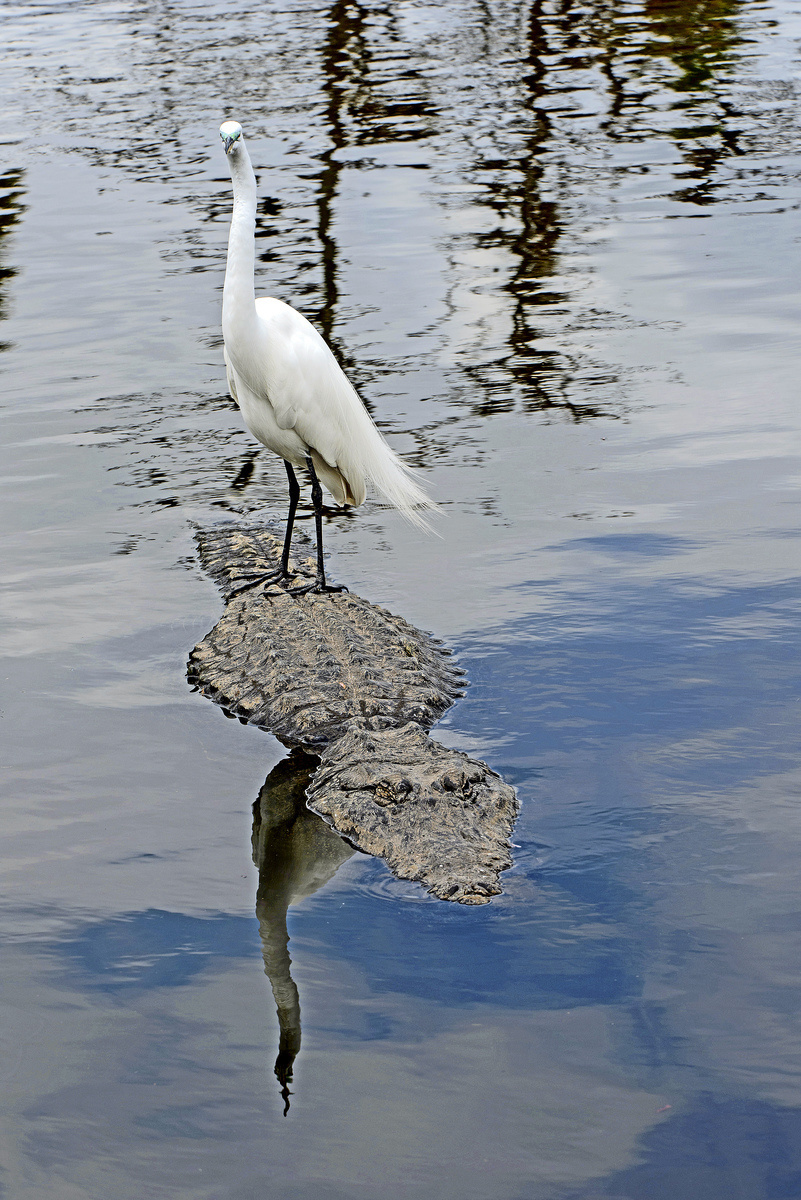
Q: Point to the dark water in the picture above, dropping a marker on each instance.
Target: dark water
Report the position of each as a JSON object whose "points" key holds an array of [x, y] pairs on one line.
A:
{"points": [[557, 247]]}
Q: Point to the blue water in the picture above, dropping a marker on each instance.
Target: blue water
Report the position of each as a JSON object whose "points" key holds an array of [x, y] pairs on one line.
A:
{"points": [[557, 250]]}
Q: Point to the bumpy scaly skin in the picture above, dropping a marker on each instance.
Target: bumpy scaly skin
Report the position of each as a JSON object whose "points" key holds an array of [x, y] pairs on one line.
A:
{"points": [[434, 815], [303, 667], [347, 680]]}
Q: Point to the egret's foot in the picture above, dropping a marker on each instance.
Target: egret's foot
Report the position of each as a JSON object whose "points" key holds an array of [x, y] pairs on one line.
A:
{"points": [[279, 576], [317, 587]]}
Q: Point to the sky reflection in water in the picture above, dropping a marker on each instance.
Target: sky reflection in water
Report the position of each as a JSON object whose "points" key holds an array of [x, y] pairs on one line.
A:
{"points": [[556, 249]]}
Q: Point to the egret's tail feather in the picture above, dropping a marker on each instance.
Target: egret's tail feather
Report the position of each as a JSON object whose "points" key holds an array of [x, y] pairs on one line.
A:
{"points": [[362, 455], [396, 483]]}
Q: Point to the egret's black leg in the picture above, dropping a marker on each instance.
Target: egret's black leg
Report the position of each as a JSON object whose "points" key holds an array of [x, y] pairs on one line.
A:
{"points": [[283, 572], [319, 584], [294, 496], [317, 502]]}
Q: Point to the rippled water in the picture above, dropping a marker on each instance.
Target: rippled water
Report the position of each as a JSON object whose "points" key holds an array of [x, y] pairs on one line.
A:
{"points": [[557, 248]]}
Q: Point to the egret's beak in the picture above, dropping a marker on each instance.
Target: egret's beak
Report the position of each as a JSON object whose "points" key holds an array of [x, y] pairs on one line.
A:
{"points": [[228, 143]]}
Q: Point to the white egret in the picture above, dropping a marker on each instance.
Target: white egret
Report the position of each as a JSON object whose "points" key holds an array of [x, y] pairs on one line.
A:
{"points": [[292, 393]]}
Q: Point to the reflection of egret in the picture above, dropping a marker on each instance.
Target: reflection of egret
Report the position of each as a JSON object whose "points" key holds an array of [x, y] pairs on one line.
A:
{"points": [[296, 853], [290, 389]]}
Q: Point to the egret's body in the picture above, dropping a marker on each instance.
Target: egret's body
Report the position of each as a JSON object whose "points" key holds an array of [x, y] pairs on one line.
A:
{"points": [[292, 393]]}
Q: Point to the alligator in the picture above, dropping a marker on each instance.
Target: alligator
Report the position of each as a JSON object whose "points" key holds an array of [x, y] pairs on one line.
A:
{"points": [[358, 688]]}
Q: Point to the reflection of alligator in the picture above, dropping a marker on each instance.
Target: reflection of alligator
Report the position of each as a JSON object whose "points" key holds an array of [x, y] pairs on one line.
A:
{"points": [[350, 682], [296, 853]]}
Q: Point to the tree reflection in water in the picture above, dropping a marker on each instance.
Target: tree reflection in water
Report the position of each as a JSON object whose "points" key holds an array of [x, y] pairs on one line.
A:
{"points": [[531, 146]]}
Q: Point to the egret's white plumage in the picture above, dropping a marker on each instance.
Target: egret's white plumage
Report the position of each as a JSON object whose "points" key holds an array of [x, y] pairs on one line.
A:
{"points": [[292, 393]]}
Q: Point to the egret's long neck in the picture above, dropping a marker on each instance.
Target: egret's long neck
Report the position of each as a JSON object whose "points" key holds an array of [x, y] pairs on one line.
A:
{"points": [[238, 293]]}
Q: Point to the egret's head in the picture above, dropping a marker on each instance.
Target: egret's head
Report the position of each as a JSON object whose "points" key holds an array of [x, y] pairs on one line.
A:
{"points": [[231, 134]]}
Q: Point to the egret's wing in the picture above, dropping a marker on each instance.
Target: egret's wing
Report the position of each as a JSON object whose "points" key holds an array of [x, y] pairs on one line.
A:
{"points": [[308, 394], [229, 374], [307, 388]]}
